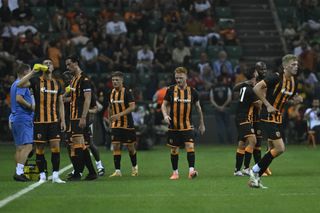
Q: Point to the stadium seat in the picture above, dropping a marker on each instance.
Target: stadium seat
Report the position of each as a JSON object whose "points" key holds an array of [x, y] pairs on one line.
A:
{"points": [[284, 3], [90, 3], [234, 51], [315, 13], [223, 12], [164, 76], [196, 52], [41, 25], [212, 51], [129, 78], [39, 13], [286, 13], [208, 109], [91, 11], [154, 25]]}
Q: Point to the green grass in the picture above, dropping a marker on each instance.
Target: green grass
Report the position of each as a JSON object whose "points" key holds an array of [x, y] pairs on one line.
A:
{"points": [[294, 186]]}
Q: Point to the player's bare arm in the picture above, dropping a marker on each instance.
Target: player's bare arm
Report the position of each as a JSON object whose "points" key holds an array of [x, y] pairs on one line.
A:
{"points": [[202, 127], [259, 89], [24, 82], [165, 111], [86, 105], [61, 112]]}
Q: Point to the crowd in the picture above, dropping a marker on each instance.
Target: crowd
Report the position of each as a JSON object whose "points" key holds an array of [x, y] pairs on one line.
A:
{"points": [[146, 40]]}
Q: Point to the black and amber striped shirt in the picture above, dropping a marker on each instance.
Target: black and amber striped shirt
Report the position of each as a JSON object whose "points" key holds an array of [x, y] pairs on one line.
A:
{"points": [[181, 102], [46, 94], [79, 85], [279, 91], [245, 106], [119, 101]]}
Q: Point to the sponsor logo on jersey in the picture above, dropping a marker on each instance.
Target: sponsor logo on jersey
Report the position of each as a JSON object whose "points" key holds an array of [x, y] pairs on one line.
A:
{"points": [[44, 90]]}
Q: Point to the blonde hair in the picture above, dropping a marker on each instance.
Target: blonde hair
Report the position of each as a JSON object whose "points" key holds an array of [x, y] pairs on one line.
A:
{"points": [[287, 58], [181, 70]]}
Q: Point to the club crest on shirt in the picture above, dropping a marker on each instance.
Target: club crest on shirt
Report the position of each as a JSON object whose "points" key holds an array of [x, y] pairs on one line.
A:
{"points": [[278, 134], [39, 136]]}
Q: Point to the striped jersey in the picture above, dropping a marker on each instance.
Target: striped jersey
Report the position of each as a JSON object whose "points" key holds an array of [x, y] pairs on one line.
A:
{"points": [[119, 101], [279, 91], [181, 102], [46, 94]]}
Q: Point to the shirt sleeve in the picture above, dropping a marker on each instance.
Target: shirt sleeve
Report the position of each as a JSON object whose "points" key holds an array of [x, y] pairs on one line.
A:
{"points": [[168, 95], [272, 79], [86, 85], [129, 95], [21, 91], [195, 95]]}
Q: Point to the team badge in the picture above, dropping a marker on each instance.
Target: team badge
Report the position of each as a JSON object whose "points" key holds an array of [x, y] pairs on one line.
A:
{"points": [[258, 132], [170, 140], [190, 139], [112, 137], [278, 134], [39, 136], [252, 130]]}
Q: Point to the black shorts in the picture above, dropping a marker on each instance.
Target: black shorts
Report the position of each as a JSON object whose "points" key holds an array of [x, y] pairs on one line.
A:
{"points": [[271, 130], [179, 138], [44, 132], [257, 129], [245, 130], [75, 129], [124, 136]]}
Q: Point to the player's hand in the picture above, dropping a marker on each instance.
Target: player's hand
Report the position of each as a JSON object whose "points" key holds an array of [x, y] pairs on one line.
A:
{"points": [[114, 118], [82, 123], [167, 119], [271, 109], [202, 129], [63, 126]]}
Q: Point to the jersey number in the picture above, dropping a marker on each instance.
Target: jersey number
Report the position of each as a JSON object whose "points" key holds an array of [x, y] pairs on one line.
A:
{"points": [[242, 91]]}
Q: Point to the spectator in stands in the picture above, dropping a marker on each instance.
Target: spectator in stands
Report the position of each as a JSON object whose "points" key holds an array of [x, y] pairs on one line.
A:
{"points": [[5, 12], [105, 58], [229, 35], [138, 40], [302, 46], [308, 57], [222, 60], [145, 58], [289, 33], [58, 20], [160, 38], [172, 19], [133, 17], [23, 12], [179, 53], [55, 54], [163, 59], [123, 61], [201, 7], [195, 31], [220, 98], [89, 56], [179, 36], [116, 27], [312, 116], [6, 60]]}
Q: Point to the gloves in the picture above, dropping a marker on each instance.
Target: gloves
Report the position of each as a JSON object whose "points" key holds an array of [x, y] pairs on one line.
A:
{"points": [[38, 67]]}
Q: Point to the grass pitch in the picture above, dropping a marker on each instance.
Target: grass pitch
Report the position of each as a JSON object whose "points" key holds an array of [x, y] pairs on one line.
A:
{"points": [[293, 187]]}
